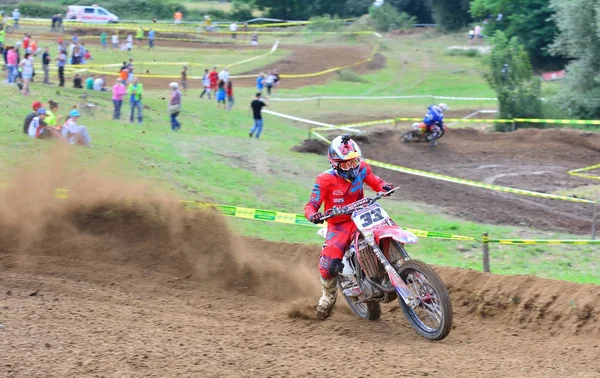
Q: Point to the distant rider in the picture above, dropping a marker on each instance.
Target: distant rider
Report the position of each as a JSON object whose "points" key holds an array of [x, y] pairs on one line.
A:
{"points": [[435, 117], [339, 186]]}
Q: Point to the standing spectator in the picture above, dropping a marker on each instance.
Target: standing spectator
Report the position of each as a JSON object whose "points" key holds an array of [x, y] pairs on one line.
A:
{"points": [[33, 47], [139, 36], [99, 84], [26, 40], [59, 23], [129, 43], [224, 75], [206, 84], [184, 79], [221, 95], [11, 63], [257, 106], [277, 79], [35, 106], [77, 82], [471, 36], [151, 36], [53, 27], [254, 41], [46, 65], [2, 37], [214, 79], [118, 91], [135, 91], [178, 17], [269, 82], [230, 99], [174, 106], [103, 39], [233, 29], [477, 32], [16, 16], [260, 82], [37, 126], [115, 40], [26, 66], [76, 57], [73, 133], [130, 74], [83, 52], [61, 61], [89, 83], [124, 73]]}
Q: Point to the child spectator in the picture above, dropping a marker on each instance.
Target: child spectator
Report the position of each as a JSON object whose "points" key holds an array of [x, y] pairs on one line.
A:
{"points": [[206, 84], [37, 127], [260, 82], [35, 106], [77, 82], [221, 94], [89, 83], [73, 133], [269, 82], [129, 42], [99, 84], [115, 40], [230, 100], [214, 79]]}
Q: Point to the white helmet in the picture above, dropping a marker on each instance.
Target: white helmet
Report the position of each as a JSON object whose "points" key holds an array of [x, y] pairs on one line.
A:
{"points": [[443, 107]]}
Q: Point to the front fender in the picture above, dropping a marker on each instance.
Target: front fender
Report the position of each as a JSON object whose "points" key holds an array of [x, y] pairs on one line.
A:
{"points": [[396, 233]]}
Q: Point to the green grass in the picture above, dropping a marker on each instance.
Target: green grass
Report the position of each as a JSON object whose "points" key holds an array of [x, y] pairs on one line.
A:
{"points": [[213, 159]]}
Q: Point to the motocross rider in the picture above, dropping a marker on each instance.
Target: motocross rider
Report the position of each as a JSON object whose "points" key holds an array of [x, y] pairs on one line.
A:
{"points": [[339, 186], [435, 116]]}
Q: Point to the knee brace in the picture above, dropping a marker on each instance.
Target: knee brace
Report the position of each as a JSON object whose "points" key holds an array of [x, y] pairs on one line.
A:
{"points": [[336, 267]]}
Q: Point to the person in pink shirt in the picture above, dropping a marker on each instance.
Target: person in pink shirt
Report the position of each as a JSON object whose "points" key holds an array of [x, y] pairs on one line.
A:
{"points": [[118, 91], [11, 64]]}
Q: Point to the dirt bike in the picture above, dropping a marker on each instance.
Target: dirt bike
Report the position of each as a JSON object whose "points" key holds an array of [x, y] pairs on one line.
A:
{"points": [[420, 133], [377, 269]]}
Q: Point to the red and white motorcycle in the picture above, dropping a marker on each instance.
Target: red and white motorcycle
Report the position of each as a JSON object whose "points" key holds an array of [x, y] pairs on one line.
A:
{"points": [[377, 269]]}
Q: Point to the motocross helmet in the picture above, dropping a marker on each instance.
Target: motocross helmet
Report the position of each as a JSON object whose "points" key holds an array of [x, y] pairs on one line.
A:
{"points": [[443, 107], [345, 157]]}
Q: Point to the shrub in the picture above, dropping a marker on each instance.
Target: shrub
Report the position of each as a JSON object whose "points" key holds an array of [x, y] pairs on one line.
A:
{"points": [[471, 53], [38, 10], [386, 18]]}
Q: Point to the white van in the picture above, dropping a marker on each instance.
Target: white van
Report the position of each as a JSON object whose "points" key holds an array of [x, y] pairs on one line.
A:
{"points": [[91, 14]]}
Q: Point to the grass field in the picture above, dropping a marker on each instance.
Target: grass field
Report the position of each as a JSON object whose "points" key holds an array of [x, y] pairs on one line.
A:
{"points": [[212, 158]]}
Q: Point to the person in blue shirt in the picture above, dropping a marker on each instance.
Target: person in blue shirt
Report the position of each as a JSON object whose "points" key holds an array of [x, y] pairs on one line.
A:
{"points": [[260, 82], [435, 117], [151, 36]]}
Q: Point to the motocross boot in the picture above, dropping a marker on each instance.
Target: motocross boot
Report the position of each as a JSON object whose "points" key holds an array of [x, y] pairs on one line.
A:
{"points": [[327, 300]]}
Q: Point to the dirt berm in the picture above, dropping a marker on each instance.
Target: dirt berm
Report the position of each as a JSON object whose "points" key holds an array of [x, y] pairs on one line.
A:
{"points": [[96, 286]]}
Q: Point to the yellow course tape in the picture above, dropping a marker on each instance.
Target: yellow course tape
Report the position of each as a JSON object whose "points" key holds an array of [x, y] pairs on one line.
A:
{"points": [[577, 172]]}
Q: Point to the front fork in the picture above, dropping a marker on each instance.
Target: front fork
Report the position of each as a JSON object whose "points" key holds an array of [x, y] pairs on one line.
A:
{"points": [[403, 290]]}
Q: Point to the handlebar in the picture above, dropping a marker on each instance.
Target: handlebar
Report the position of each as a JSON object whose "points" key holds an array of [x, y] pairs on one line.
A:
{"points": [[349, 209]]}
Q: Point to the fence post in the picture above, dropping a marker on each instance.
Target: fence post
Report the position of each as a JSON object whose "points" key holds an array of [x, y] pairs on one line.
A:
{"points": [[309, 134], [513, 126], [594, 221], [486, 252]]}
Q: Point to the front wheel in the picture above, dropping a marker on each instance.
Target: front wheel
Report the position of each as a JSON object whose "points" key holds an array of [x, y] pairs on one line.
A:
{"points": [[432, 317]]}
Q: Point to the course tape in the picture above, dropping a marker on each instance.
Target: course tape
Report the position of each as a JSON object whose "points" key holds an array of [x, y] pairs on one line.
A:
{"points": [[533, 242], [385, 98], [577, 172]]}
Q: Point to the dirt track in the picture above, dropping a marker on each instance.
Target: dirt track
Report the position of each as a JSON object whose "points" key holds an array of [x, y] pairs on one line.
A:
{"points": [[530, 159], [93, 288]]}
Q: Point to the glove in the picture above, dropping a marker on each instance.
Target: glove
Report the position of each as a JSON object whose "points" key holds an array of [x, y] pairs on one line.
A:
{"points": [[388, 187], [316, 218]]}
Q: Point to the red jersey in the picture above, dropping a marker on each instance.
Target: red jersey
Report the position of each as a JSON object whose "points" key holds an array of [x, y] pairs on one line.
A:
{"points": [[25, 42], [229, 91], [214, 77], [336, 191]]}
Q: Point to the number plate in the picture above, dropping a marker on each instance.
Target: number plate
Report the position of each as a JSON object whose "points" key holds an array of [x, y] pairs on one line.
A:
{"points": [[370, 217]]}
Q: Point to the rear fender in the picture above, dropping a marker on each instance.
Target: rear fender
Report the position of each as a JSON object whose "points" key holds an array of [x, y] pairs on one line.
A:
{"points": [[396, 233]]}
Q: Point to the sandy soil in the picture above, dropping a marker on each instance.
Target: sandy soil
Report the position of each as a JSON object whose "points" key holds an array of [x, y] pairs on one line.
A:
{"points": [[95, 287]]}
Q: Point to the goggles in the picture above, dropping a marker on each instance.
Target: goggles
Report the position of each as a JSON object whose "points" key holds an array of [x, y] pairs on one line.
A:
{"points": [[349, 164]]}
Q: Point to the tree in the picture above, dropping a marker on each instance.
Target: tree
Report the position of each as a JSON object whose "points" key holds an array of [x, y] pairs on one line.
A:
{"points": [[386, 18], [284, 9], [578, 39], [530, 20], [450, 15], [418, 8], [511, 76]]}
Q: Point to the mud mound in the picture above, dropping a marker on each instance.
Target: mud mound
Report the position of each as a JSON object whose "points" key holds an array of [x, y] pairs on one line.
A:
{"points": [[311, 146], [378, 62]]}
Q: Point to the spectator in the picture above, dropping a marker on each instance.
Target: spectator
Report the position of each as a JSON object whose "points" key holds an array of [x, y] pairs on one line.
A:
{"points": [[37, 127], [224, 75], [35, 106], [260, 82], [52, 120], [124, 73], [206, 84], [254, 41], [59, 23], [130, 74], [103, 39], [73, 133], [83, 52], [119, 91], [135, 91], [277, 79], [76, 56], [99, 84], [471, 36], [151, 36], [233, 29], [174, 106], [221, 95], [184, 79], [26, 40], [129, 43], [269, 82], [61, 61], [178, 16], [89, 83], [214, 79], [257, 106], [139, 36], [46, 65], [115, 40], [477, 32], [77, 82], [16, 15], [88, 55], [33, 47], [11, 64], [2, 37], [53, 27], [230, 100], [26, 66]]}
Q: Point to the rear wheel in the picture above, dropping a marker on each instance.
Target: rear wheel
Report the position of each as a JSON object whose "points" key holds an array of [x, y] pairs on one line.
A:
{"points": [[368, 310], [409, 137], [432, 317]]}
